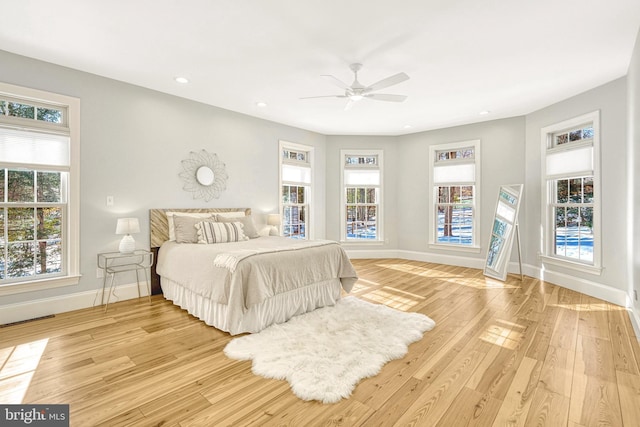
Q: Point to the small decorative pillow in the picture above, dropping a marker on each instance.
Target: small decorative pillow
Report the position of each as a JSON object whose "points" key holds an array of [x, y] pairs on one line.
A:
{"points": [[220, 232], [249, 228]]}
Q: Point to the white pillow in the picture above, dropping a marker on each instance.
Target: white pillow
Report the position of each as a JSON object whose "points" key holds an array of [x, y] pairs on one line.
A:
{"points": [[170, 215], [264, 231], [220, 232], [249, 228], [230, 214]]}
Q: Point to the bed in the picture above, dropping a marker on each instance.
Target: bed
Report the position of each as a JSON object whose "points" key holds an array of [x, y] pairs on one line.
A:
{"points": [[247, 285]]}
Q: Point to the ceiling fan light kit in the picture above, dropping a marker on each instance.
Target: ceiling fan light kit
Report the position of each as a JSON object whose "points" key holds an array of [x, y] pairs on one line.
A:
{"points": [[357, 91]]}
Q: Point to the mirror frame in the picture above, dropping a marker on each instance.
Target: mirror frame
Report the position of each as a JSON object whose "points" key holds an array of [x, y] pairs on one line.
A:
{"points": [[204, 175]]}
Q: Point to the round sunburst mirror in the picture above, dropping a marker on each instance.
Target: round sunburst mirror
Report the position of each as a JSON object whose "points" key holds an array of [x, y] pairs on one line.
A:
{"points": [[204, 175]]}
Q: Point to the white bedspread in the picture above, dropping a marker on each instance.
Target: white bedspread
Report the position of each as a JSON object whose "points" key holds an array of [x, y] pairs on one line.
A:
{"points": [[230, 259], [262, 268]]}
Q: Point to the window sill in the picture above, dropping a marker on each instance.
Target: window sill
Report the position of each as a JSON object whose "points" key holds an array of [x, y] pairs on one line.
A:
{"points": [[585, 268], [38, 285], [468, 249]]}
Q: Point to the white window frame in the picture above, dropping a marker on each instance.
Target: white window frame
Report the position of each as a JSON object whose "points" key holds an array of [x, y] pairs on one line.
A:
{"points": [[379, 154], [71, 228], [476, 183], [547, 147], [309, 161]]}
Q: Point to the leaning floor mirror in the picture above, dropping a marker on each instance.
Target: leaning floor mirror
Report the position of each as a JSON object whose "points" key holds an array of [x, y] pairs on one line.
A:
{"points": [[503, 229]]}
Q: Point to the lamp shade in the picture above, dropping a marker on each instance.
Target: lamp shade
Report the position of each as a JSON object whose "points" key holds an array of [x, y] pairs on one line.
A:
{"points": [[273, 219], [128, 226]]}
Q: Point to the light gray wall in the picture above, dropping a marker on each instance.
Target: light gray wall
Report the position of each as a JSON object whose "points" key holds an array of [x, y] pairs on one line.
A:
{"points": [[633, 152], [610, 99], [133, 140], [389, 146], [132, 143], [502, 157], [407, 212]]}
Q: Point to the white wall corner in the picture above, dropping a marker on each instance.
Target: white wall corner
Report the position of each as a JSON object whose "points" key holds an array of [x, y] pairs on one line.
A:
{"points": [[28, 310]]}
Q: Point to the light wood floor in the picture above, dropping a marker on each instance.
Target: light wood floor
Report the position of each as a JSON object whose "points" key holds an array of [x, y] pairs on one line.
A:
{"points": [[515, 353]]}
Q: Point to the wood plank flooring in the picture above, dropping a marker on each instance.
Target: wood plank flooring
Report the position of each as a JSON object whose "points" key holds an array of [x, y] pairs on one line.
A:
{"points": [[502, 353]]}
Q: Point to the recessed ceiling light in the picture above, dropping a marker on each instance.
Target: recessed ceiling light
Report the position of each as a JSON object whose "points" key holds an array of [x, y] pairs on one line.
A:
{"points": [[182, 80], [261, 104], [484, 113]]}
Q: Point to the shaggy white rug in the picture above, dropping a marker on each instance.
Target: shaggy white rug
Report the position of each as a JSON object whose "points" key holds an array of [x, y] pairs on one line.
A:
{"points": [[325, 353]]}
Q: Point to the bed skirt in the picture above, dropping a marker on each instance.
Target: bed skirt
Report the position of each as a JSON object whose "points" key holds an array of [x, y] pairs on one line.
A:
{"points": [[276, 309]]}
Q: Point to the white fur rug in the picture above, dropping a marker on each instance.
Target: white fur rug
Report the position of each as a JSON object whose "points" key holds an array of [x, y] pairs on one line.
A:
{"points": [[325, 353]]}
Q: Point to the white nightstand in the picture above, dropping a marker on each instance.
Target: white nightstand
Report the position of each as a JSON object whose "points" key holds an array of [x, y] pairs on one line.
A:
{"points": [[113, 263]]}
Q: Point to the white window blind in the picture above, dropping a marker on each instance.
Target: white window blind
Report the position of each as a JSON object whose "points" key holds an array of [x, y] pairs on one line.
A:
{"points": [[577, 161], [34, 148], [296, 174], [459, 173], [361, 177]]}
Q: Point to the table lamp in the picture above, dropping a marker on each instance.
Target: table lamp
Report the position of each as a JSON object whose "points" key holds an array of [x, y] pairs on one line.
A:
{"points": [[274, 221], [127, 226]]}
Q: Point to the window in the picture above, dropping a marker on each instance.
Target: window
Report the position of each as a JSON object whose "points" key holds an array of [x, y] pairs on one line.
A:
{"points": [[295, 189], [570, 186], [455, 175], [362, 195], [38, 190], [31, 112]]}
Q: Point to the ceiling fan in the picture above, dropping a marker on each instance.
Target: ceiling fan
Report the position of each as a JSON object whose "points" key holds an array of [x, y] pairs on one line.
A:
{"points": [[358, 91]]}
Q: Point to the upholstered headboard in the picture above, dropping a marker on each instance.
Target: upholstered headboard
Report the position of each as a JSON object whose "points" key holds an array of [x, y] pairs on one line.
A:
{"points": [[159, 233], [159, 226]]}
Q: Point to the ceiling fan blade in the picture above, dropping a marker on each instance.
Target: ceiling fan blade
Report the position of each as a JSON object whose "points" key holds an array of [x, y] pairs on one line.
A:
{"points": [[336, 81], [389, 81], [386, 97], [324, 96]]}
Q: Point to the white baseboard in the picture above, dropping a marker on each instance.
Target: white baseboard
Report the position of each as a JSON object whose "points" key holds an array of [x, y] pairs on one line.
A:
{"points": [[587, 287], [635, 321], [416, 256], [48, 306], [460, 261], [371, 253], [45, 307]]}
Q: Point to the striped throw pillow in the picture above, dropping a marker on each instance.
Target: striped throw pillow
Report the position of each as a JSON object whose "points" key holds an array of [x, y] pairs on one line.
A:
{"points": [[219, 232]]}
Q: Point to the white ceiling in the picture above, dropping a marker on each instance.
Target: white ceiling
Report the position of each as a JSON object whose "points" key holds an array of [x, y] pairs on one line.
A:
{"points": [[510, 57]]}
